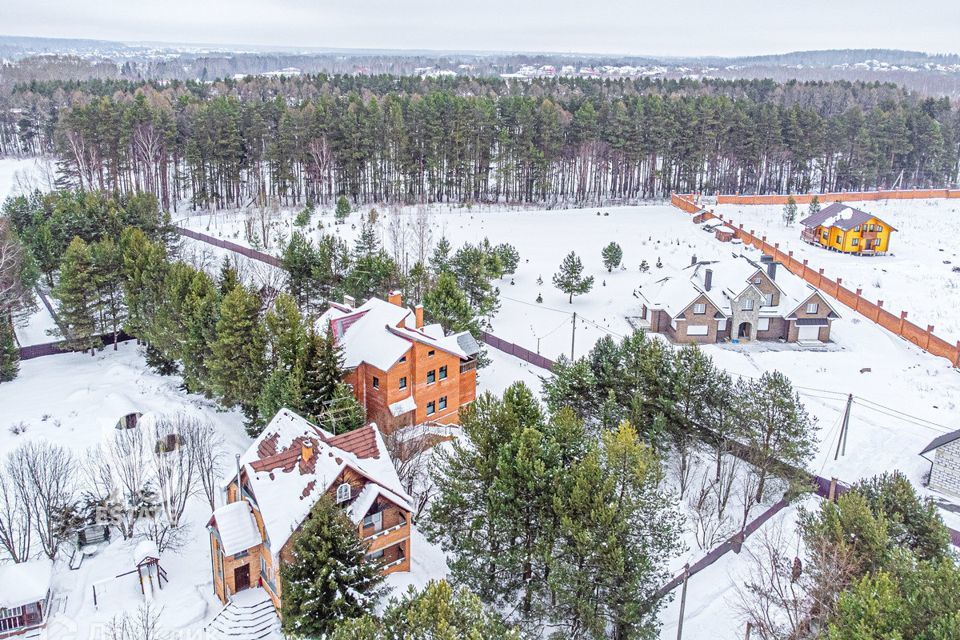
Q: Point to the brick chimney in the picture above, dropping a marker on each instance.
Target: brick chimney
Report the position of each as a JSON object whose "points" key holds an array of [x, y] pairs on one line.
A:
{"points": [[306, 449], [693, 260], [396, 298], [708, 279], [772, 270], [418, 314]]}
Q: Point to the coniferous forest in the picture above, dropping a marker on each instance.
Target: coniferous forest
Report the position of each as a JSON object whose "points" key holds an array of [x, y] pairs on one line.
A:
{"points": [[392, 139]]}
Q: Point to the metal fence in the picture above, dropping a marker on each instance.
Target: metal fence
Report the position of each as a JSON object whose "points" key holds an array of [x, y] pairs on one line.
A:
{"points": [[63, 346], [516, 351], [253, 254]]}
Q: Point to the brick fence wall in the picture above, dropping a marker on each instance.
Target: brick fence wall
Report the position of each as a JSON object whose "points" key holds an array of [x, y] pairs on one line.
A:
{"points": [[842, 196], [898, 324]]}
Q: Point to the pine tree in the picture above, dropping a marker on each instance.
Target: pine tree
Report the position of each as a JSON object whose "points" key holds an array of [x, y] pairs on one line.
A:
{"points": [[286, 334], [814, 205], [323, 372], [328, 580], [367, 243], [615, 528], [612, 256], [107, 264], [474, 269], [509, 257], [238, 365], [438, 612], [229, 278], [343, 209], [299, 259], [570, 278], [201, 310], [447, 305], [144, 273], [281, 390], [440, 259], [344, 413], [790, 211], [77, 294], [9, 352]]}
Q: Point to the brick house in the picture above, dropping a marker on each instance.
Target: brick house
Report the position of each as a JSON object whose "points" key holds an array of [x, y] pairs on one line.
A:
{"points": [[735, 298], [945, 465], [402, 371], [280, 478]]}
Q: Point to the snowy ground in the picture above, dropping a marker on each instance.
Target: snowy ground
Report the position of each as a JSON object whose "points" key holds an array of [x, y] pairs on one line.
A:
{"points": [[916, 276], [37, 328], [22, 175], [905, 396]]}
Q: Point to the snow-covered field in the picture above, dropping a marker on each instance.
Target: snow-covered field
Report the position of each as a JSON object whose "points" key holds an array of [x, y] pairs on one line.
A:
{"points": [[917, 275]]}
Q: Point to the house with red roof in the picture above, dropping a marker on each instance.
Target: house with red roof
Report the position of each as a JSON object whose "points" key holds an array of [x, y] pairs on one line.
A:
{"points": [[403, 372], [278, 481]]}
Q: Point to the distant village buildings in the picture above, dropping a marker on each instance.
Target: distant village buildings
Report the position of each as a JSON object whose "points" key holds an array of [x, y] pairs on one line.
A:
{"points": [[734, 299]]}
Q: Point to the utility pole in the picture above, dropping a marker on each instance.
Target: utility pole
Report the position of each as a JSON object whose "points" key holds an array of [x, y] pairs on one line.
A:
{"points": [[842, 438], [573, 335], [683, 600]]}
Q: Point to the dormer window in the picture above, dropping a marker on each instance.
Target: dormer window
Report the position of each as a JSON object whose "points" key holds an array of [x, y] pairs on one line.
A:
{"points": [[343, 492]]}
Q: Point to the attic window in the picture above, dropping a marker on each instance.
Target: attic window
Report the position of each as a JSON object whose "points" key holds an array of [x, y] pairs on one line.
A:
{"points": [[700, 308], [403, 358], [343, 492], [431, 353], [879, 227], [813, 307]]}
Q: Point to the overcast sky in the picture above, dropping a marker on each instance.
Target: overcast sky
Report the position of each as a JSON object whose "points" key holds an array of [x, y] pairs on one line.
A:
{"points": [[667, 27]]}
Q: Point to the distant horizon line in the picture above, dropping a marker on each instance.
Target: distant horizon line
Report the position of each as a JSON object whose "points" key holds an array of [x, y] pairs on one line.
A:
{"points": [[237, 47]]}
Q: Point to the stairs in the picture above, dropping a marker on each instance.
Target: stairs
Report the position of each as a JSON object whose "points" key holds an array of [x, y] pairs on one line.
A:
{"points": [[250, 615]]}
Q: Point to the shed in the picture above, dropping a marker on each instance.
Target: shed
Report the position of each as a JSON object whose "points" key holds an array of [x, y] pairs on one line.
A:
{"points": [[24, 592], [945, 463], [725, 233]]}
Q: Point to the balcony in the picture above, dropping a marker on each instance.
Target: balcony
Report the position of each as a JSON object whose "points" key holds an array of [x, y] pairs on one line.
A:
{"points": [[869, 235], [809, 235], [468, 365]]}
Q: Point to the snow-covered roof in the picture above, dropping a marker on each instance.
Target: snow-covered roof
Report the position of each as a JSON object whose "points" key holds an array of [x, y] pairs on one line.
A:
{"points": [[237, 527], [730, 277], [286, 483], [840, 216], [940, 441], [24, 583], [401, 407], [146, 549], [380, 333]]}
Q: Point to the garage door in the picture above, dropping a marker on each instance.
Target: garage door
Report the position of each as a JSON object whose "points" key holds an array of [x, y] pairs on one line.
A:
{"points": [[808, 333]]}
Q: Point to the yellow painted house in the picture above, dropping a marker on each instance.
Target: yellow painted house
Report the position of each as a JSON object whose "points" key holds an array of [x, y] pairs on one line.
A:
{"points": [[848, 230]]}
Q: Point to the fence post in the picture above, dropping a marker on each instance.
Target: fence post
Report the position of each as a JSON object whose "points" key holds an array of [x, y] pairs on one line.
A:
{"points": [[903, 317], [926, 346]]}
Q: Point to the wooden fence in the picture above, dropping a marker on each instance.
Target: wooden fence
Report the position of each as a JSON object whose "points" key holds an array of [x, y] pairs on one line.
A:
{"points": [[63, 346], [841, 196], [516, 351], [923, 337], [253, 254]]}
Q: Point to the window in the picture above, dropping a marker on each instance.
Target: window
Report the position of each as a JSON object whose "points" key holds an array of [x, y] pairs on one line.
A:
{"points": [[757, 280], [431, 353], [343, 492], [374, 520], [443, 402], [768, 300], [722, 324], [763, 324], [824, 235], [403, 382], [879, 228], [839, 239], [855, 242], [403, 358], [443, 372], [747, 304], [857, 228], [871, 227], [376, 382], [431, 376], [376, 555], [431, 408], [697, 330], [812, 307], [700, 308]]}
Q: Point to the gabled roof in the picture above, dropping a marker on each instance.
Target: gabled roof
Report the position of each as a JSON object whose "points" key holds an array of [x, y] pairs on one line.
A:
{"points": [[237, 527], [940, 441], [840, 216], [380, 333], [24, 583], [286, 486]]}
